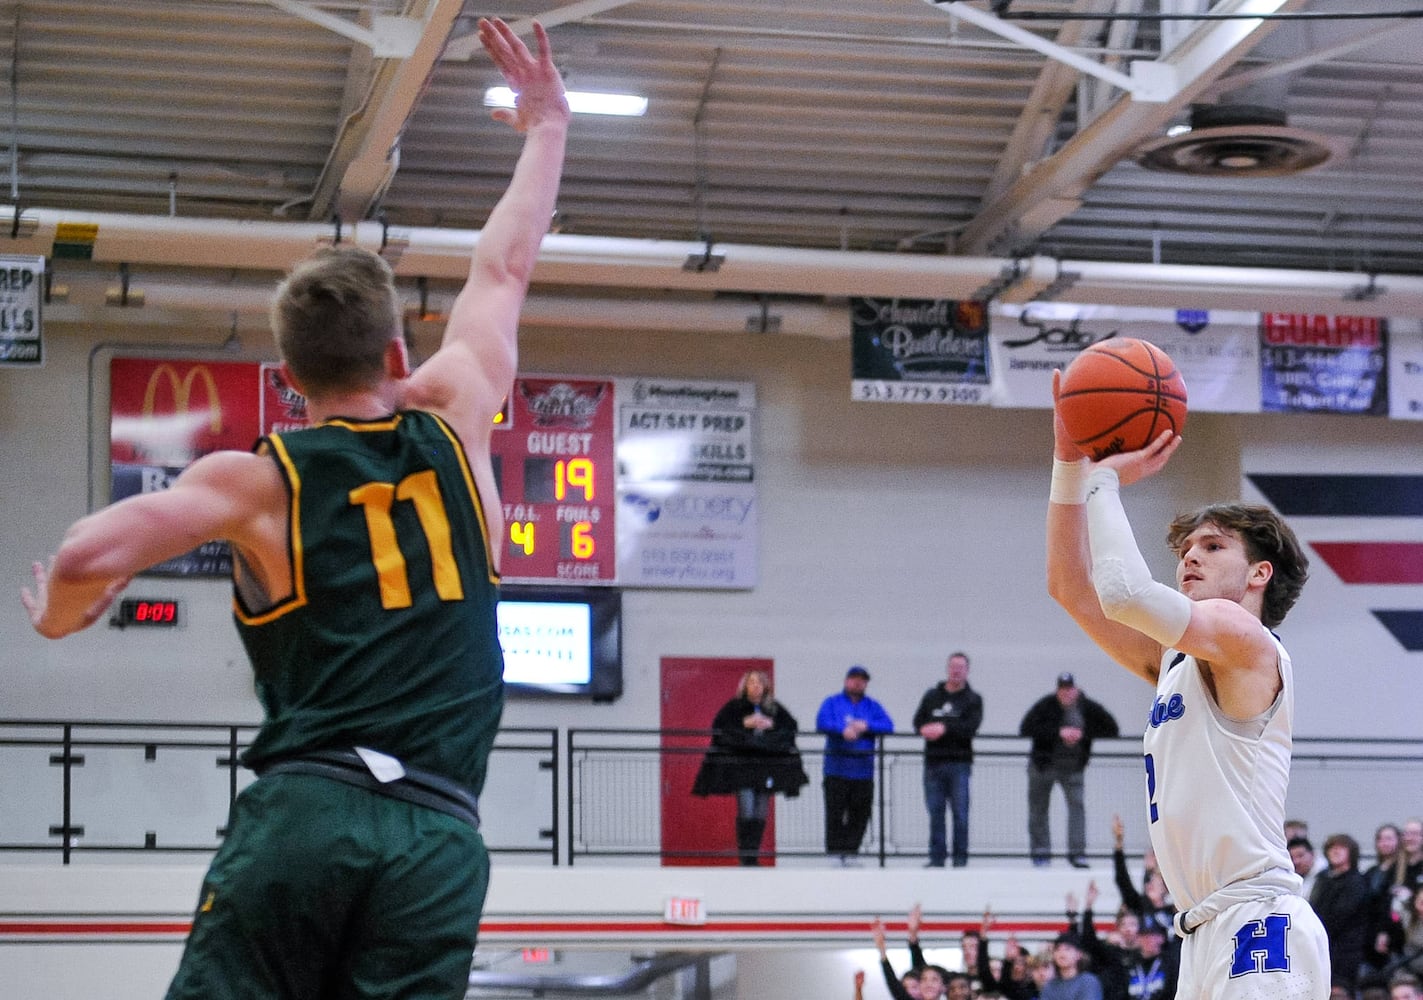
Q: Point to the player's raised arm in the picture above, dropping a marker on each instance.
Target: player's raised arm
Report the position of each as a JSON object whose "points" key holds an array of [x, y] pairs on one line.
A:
{"points": [[220, 496], [467, 379], [1069, 554]]}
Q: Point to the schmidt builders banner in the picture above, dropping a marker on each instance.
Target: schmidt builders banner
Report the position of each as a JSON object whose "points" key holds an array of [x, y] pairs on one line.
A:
{"points": [[919, 351], [166, 412]]}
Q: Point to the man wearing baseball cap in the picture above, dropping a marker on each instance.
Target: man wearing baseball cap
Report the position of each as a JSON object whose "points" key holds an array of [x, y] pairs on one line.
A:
{"points": [[851, 722], [1062, 727]]}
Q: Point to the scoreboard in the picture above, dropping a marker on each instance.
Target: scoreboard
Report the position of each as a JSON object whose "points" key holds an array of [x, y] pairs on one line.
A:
{"points": [[554, 462]]}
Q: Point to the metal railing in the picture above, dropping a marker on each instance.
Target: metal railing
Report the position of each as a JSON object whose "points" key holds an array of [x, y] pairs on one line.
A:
{"points": [[77, 790], [621, 780]]}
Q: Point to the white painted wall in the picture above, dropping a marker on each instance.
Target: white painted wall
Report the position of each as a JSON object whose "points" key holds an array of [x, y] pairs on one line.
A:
{"points": [[890, 535]]}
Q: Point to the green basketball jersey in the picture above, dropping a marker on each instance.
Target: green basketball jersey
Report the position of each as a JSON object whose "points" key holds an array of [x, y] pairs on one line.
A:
{"points": [[389, 638]]}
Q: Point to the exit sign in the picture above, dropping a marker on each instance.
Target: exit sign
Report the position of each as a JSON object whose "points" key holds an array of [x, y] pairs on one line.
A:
{"points": [[684, 910]]}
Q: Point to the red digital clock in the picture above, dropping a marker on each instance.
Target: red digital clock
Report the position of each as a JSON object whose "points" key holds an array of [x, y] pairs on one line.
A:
{"points": [[553, 456], [146, 611]]}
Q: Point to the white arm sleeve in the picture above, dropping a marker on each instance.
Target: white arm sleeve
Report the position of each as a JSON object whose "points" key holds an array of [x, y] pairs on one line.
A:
{"points": [[1120, 575]]}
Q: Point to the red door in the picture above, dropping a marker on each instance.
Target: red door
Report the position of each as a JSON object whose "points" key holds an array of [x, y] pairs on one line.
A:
{"points": [[699, 830]]}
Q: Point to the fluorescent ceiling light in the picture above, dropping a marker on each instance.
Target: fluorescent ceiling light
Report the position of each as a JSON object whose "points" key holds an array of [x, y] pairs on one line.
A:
{"points": [[579, 102]]}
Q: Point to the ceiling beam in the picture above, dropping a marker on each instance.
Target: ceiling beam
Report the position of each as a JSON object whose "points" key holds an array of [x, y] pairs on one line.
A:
{"points": [[1055, 86], [366, 151], [387, 38], [466, 46], [1053, 188]]}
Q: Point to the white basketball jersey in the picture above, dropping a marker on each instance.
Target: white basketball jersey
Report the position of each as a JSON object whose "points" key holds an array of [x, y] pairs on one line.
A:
{"points": [[1216, 787]]}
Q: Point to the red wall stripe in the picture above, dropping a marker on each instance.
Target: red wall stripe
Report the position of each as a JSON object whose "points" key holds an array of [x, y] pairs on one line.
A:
{"points": [[1373, 562]]}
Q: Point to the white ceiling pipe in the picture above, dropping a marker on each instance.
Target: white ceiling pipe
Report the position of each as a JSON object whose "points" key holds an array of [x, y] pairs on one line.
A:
{"points": [[93, 298], [226, 246], [1180, 286]]}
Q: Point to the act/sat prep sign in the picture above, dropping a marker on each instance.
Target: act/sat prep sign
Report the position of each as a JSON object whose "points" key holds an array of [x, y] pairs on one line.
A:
{"points": [[21, 293]]}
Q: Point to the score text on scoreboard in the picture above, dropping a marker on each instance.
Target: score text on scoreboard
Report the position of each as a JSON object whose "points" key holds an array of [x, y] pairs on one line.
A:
{"points": [[553, 457]]}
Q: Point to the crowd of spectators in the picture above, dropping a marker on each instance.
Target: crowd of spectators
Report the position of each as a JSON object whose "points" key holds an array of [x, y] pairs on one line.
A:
{"points": [[1374, 919]]}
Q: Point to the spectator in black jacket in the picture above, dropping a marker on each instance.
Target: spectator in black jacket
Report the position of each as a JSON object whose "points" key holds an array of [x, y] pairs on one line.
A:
{"points": [[948, 716], [1133, 966], [1341, 898], [1062, 727], [753, 755]]}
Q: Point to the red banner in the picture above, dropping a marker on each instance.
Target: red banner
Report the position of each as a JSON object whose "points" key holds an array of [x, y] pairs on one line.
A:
{"points": [[165, 413]]}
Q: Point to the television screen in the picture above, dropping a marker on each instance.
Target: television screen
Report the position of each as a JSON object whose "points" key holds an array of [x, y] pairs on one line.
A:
{"points": [[562, 640]]}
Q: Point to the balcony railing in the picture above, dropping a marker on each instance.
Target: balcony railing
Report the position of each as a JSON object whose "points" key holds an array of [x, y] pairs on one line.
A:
{"points": [[617, 776], [87, 788], [76, 791]]}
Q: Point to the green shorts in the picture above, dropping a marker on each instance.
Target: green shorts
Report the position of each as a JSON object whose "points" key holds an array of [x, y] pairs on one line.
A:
{"points": [[325, 890]]}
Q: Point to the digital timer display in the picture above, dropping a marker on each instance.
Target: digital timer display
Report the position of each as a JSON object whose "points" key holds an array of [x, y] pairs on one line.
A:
{"points": [[553, 456], [143, 611]]}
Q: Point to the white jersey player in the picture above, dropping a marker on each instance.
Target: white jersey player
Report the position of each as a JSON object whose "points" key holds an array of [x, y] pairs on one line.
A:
{"points": [[1218, 739]]}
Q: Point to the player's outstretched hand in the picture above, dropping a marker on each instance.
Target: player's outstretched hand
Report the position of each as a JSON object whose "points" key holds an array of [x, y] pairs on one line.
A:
{"points": [[37, 603], [535, 81]]}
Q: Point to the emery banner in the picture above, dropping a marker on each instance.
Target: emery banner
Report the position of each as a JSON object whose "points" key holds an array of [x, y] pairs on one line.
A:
{"points": [[1323, 364], [164, 413], [687, 512], [919, 351]]}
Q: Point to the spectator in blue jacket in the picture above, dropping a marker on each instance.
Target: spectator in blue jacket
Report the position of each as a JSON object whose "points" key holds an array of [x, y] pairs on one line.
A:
{"points": [[851, 721]]}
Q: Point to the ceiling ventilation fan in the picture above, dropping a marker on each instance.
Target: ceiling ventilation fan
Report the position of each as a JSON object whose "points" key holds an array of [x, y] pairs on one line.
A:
{"points": [[1236, 140]]}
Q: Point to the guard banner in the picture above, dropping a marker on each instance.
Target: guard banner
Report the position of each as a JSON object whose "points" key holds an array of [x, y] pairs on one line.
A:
{"points": [[1323, 364]]}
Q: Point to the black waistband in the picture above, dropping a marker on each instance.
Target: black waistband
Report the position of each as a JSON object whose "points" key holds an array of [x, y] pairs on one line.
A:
{"points": [[420, 787]]}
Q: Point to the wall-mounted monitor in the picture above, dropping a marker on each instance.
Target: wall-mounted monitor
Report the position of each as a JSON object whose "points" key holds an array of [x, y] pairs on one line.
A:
{"points": [[562, 641]]}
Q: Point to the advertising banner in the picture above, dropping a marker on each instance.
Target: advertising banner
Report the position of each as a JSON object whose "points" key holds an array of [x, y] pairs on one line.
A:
{"points": [[1405, 369], [687, 512], [164, 414], [1217, 352], [1323, 364], [21, 299], [919, 351]]}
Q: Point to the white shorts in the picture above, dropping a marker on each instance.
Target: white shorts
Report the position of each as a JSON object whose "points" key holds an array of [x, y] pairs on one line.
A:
{"points": [[1275, 949]]}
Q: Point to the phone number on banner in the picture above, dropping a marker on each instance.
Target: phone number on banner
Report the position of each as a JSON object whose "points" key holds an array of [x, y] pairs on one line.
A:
{"points": [[876, 391]]}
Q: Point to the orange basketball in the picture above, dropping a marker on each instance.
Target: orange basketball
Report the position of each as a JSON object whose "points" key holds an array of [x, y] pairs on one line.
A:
{"points": [[1119, 395]]}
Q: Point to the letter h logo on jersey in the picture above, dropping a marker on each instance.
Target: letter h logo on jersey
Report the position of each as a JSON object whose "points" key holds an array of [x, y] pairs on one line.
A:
{"points": [[1262, 946]]}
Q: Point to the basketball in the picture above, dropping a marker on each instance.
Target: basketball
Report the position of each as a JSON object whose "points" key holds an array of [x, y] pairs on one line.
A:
{"points": [[1119, 395]]}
